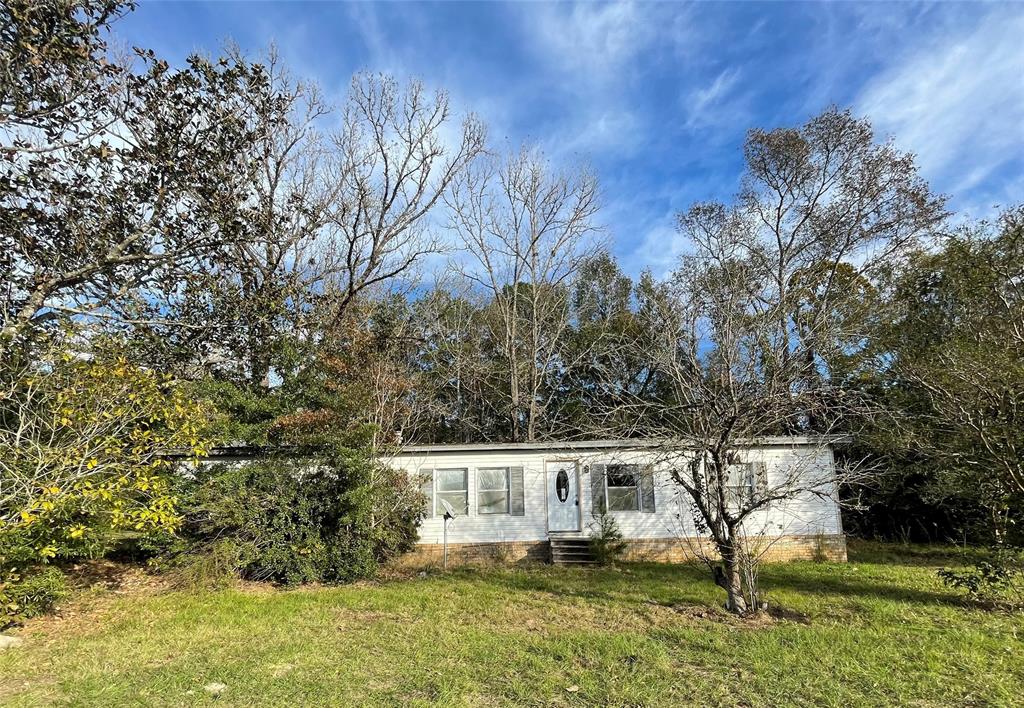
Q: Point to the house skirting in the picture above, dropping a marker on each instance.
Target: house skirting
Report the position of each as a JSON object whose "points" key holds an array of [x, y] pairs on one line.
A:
{"points": [[428, 554], [779, 549], [663, 550]]}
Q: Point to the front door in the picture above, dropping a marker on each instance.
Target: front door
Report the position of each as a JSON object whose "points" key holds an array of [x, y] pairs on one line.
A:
{"points": [[563, 496]]}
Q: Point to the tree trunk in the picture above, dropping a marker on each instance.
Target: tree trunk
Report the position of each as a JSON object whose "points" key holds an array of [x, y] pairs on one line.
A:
{"points": [[259, 359], [730, 577]]}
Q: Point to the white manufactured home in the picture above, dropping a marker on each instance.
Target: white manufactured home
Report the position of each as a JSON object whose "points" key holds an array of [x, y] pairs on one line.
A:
{"points": [[521, 500]]}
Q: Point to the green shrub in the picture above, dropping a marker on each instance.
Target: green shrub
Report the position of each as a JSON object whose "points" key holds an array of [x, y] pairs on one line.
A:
{"points": [[607, 544], [329, 518], [996, 581], [25, 594]]}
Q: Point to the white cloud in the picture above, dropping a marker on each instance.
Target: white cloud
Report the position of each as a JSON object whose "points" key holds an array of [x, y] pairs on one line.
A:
{"points": [[957, 102], [706, 105], [593, 40], [595, 63], [659, 249]]}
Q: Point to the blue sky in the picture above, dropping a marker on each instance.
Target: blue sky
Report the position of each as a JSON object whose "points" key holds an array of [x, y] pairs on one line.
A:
{"points": [[657, 97]]}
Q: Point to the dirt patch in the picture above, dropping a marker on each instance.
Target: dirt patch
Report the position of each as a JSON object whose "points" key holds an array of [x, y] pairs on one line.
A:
{"points": [[700, 612], [46, 685], [119, 578], [80, 614], [95, 586], [784, 614], [373, 616]]}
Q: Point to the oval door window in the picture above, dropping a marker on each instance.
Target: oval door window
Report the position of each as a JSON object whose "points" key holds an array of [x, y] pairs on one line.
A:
{"points": [[562, 485]]}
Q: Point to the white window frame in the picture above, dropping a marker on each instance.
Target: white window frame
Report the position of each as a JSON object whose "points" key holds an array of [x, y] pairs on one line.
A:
{"points": [[745, 490], [507, 489], [635, 468], [438, 510]]}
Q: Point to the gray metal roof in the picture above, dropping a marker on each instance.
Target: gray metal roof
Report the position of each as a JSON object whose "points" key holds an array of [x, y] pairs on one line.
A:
{"points": [[556, 445], [241, 451]]}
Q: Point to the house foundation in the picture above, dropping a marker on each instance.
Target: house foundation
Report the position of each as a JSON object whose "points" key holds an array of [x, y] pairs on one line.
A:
{"points": [[780, 549]]}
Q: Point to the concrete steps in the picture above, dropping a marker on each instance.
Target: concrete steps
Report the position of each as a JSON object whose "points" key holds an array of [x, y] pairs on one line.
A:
{"points": [[571, 551]]}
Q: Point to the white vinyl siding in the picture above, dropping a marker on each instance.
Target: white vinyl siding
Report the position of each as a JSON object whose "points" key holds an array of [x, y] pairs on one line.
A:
{"points": [[808, 514]]}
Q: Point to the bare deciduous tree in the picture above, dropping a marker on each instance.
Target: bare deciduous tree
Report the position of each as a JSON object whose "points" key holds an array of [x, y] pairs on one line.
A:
{"points": [[391, 167], [331, 216], [526, 231]]}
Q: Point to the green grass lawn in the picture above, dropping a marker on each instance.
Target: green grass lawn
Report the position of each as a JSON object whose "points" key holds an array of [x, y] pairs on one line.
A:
{"points": [[877, 631]]}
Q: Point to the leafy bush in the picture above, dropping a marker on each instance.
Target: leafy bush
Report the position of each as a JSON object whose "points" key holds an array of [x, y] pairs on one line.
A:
{"points": [[83, 446], [328, 518], [997, 581], [607, 544], [25, 594]]}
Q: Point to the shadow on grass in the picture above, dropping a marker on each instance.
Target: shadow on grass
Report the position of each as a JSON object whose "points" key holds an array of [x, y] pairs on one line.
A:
{"points": [[913, 555], [847, 586], [687, 584], [635, 584]]}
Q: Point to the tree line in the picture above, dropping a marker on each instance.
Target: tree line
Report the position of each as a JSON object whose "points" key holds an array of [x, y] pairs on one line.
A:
{"points": [[379, 272]]}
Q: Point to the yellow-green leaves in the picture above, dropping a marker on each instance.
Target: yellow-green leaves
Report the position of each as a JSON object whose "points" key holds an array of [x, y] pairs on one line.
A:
{"points": [[89, 452]]}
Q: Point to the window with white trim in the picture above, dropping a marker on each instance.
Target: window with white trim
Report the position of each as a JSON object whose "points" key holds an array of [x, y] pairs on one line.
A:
{"points": [[622, 487], [493, 490], [452, 485], [739, 483]]}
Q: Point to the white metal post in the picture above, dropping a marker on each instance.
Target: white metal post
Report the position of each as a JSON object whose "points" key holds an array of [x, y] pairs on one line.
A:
{"points": [[446, 520]]}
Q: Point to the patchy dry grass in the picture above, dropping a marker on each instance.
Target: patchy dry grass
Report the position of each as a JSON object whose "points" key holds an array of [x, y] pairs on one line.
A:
{"points": [[879, 630]]}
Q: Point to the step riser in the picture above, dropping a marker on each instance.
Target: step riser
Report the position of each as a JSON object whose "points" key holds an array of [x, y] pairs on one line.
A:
{"points": [[571, 551]]}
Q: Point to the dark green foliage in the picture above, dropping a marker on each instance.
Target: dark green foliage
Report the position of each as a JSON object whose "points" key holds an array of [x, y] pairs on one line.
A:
{"points": [[607, 544], [246, 414], [120, 183], [948, 363], [53, 63], [995, 581], [29, 593], [327, 519]]}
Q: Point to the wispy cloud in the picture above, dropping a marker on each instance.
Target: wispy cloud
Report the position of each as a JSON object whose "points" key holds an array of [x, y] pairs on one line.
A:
{"points": [[657, 97], [957, 101], [704, 105], [594, 41]]}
